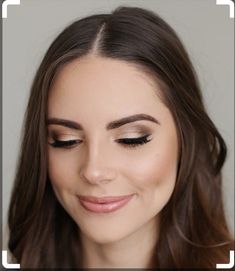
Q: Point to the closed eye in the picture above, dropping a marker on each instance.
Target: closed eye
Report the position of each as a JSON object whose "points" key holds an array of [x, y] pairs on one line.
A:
{"points": [[134, 142], [64, 144], [127, 142]]}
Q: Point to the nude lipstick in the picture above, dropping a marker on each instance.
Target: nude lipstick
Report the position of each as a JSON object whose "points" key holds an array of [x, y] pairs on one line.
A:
{"points": [[105, 204]]}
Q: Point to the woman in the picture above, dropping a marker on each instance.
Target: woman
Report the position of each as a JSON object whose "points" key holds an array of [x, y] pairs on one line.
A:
{"points": [[120, 164]]}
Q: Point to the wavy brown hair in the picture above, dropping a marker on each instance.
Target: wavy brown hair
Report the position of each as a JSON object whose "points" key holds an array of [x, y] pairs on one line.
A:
{"points": [[194, 231]]}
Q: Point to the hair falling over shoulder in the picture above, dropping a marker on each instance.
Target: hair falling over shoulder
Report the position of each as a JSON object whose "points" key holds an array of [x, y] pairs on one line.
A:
{"points": [[194, 231]]}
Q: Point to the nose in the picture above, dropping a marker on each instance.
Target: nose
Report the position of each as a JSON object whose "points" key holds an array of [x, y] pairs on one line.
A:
{"points": [[97, 168]]}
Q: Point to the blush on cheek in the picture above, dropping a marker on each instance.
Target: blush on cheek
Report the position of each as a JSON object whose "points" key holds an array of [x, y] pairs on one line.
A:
{"points": [[62, 186], [61, 171], [166, 168], [153, 171], [58, 178]]}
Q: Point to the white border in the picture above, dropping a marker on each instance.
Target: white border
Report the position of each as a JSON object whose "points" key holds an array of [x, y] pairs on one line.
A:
{"points": [[227, 265], [230, 3], [7, 265], [5, 5]]}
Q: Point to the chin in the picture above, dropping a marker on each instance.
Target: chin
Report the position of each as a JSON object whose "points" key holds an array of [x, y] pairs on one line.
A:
{"points": [[104, 236]]}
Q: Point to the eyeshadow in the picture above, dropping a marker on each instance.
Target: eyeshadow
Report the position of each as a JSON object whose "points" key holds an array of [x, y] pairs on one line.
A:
{"points": [[136, 128]]}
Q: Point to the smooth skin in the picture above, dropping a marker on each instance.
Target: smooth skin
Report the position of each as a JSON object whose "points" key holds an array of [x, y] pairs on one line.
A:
{"points": [[94, 91]]}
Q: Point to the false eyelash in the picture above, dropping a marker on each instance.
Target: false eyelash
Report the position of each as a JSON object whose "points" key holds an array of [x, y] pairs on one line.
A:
{"points": [[127, 142], [64, 144], [134, 142]]}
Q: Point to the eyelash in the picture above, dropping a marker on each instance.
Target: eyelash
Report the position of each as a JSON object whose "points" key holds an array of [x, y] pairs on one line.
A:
{"points": [[127, 142], [134, 142]]}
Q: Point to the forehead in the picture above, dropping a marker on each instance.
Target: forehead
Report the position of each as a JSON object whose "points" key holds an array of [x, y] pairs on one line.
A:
{"points": [[102, 87]]}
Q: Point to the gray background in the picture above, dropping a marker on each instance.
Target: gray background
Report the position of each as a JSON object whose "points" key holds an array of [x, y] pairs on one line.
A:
{"points": [[204, 27]]}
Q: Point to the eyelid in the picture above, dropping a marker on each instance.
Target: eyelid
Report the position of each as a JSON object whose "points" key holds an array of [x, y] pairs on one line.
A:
{"points": [[135, 142], [131, 142], [132, 135], [139, 130], [63, 137], [68, 144]]}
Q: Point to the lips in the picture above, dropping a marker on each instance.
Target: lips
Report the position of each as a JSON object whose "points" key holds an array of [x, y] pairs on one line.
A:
{"points": [[104, 204]]}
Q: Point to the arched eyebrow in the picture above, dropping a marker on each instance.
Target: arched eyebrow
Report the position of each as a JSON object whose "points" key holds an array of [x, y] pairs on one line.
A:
{"points": [[112, 125], [118, 123], [66, 123]]}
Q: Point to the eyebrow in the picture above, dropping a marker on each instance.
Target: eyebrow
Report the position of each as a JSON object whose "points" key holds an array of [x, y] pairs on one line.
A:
{"points": [[112, 125], [117, 123]]}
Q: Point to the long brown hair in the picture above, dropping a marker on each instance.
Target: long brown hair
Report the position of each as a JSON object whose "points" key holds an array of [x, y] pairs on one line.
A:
{"points": [[193, 231]]}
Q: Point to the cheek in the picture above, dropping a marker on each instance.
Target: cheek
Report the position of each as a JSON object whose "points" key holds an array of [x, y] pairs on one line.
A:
{"points": [[152, 169], [154, 183], [153, 173], [61, 169]]}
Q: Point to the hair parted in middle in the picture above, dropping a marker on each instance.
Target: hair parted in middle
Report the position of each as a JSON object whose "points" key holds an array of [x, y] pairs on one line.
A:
{"points": [[194, 231]]}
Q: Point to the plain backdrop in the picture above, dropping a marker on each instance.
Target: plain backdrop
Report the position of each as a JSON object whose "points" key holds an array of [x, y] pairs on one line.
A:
{"points": [[204, 27]]}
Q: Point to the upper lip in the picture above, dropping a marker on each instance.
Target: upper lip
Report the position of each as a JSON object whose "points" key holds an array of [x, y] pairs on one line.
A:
{"points": [[108, 199]]}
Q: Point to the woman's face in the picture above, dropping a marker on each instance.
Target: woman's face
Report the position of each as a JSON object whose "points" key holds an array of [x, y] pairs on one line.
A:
{"points": [[118, 139]]}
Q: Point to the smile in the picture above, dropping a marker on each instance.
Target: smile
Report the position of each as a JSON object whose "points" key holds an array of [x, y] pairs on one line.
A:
{"points": [[105, 204]]}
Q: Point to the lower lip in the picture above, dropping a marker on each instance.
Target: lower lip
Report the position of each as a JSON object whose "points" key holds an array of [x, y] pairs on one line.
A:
{"points": [[108, 207]]}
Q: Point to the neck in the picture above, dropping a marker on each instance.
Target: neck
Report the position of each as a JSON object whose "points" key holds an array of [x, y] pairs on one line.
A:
{"points": [[134, 251]]}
